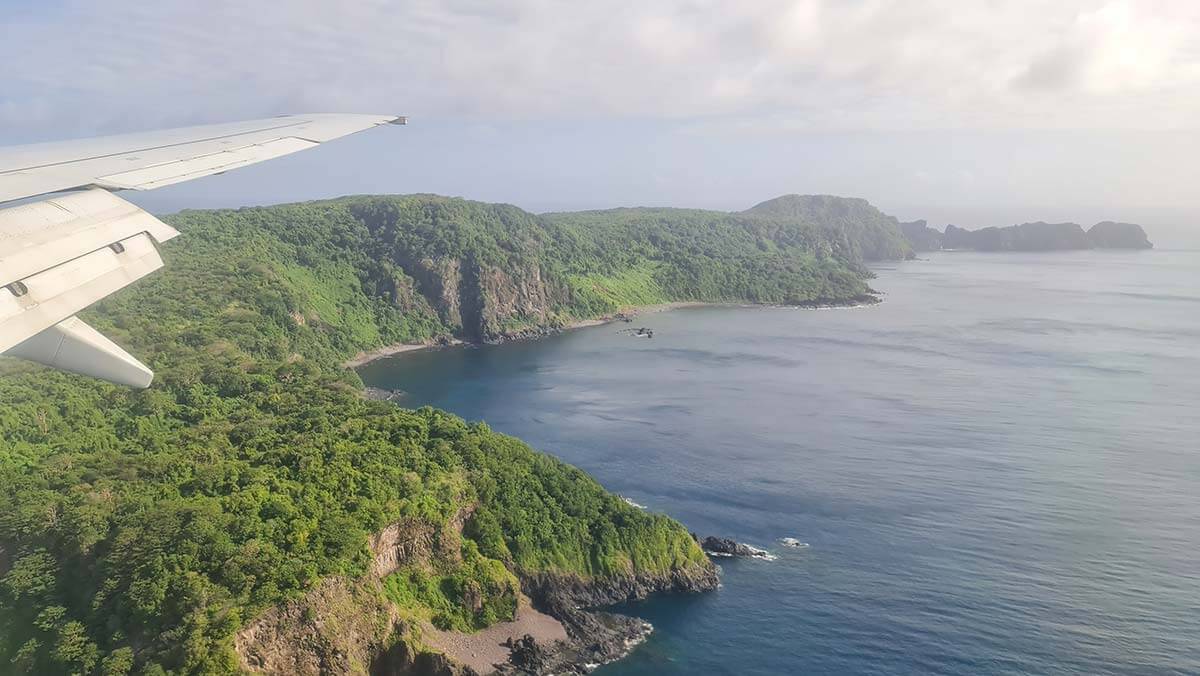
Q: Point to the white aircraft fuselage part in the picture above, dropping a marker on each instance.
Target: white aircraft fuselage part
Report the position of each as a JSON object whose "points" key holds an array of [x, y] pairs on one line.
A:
{"points": [[62, 254]]}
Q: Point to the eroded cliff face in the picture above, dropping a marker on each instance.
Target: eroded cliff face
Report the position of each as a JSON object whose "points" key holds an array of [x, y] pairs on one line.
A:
{"points": [[341, 627], [513, 304], [562, 593], [598, 637], [344, 626], [338, 627], [484, 302], [416, 541], [440, 282]]}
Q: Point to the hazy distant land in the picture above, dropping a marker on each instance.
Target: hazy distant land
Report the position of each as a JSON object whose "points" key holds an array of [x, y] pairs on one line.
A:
{"points": [[1038, 236]]}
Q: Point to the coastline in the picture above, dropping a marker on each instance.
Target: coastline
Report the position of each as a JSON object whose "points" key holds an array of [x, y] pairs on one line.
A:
{"points": [[637, 311], [367, 356]]}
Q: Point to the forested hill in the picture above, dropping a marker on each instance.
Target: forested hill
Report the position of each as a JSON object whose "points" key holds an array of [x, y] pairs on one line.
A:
{"points": [[871, 234], [140, 530]]}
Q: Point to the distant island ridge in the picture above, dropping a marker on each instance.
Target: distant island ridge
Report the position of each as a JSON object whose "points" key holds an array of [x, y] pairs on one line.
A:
{"points": [[1039, 236]]}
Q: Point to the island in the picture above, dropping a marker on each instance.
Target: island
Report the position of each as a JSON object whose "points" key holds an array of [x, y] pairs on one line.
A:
{"points": [[1039, 236], [257, 510]]}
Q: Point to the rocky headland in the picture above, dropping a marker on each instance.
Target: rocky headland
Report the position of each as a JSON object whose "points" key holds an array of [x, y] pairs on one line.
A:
{"points": [[345, 626]]}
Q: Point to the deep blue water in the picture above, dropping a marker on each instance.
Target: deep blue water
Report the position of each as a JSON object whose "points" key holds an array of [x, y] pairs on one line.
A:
{"points": [[998, 468]]}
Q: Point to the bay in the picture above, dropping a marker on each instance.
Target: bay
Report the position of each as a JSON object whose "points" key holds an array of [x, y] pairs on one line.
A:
{"points": [[996, 469]]}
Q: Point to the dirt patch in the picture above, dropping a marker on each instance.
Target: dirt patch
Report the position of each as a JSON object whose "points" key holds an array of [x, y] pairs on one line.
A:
{"points": [[486, 648], [336, 628]]}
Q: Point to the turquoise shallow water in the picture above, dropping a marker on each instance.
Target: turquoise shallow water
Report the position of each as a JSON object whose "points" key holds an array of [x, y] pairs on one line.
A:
{"points": [[997, 469]]}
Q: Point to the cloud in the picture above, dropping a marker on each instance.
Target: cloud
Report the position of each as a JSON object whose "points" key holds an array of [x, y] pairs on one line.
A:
{"points": [[770, 64], [1114, 49]]}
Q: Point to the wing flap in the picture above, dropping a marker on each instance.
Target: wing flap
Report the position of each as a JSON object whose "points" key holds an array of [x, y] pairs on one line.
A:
{"points": [[40, 301], [35, 237], [60, 255], [71, 345]]}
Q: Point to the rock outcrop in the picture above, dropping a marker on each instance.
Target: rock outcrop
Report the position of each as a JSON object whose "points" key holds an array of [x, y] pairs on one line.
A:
{"points": [[565, 592], [339, 627], [481, 302], [597, 637], [1112, 235], [716, 546], [921, 237], [415, 540], [346, 626], [403, 660]]}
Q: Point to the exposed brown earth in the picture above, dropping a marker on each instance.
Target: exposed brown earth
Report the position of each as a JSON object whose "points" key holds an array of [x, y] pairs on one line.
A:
{"points": [[484, 649]]}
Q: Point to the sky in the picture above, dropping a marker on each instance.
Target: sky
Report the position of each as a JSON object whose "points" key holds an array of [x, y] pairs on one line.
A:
{"points": [[976, 112]]}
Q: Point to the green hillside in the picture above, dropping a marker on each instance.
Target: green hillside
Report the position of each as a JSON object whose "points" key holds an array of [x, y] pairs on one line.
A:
{"points": [[871, 234], [139, 530]]}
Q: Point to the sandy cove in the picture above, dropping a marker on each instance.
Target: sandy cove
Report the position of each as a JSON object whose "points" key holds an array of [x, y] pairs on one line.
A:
{"points": [[368, 356], [484, 649]]}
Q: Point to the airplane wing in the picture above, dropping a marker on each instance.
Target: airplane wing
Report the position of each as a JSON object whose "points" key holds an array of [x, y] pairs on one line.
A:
{"points": [[61, 254]]}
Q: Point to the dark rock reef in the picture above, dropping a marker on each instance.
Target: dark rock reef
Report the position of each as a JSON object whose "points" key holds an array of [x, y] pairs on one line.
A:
{"points": [[598, 637], [715, 546]]}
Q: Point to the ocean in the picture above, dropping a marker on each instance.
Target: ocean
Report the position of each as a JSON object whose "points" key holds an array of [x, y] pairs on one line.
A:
{"points": [[997, 469]]}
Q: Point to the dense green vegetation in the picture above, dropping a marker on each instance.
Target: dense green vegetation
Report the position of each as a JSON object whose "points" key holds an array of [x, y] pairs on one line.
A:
{"points": [[140, 529], [870, 234], [654, 255], [470, 595]]}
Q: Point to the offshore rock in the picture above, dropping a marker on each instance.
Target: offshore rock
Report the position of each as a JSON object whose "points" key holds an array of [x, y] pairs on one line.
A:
{"points": [[726, 547]]}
